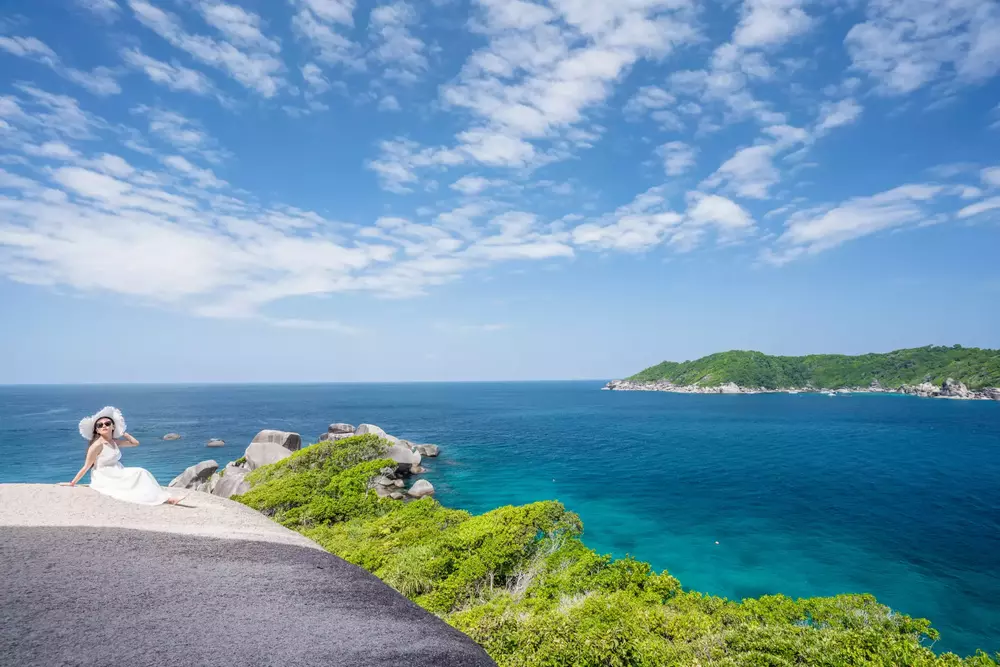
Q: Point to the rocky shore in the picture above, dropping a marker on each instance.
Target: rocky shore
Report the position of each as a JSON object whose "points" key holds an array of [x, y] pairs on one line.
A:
{"points": [[948, 389], [270, 446]]}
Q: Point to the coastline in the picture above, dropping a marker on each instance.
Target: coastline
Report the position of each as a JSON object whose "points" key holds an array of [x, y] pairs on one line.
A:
{"points": [[949, 389]]}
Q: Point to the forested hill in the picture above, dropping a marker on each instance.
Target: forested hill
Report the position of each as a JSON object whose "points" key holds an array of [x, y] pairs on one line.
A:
{"points": [[975, 367]]}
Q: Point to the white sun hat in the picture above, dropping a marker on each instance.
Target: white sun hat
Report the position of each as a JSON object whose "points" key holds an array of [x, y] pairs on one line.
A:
{"points": [[114, 414]]}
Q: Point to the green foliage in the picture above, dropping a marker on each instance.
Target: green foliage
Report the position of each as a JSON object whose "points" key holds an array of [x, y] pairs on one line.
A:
{"points": [[520, 582], [975, 367]]}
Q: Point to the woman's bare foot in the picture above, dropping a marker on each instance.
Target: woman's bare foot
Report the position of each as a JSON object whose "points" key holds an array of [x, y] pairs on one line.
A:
{"points": [[176, 501]]}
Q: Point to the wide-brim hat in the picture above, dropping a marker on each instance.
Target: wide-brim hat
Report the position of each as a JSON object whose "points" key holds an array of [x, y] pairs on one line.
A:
{"points": [[114, 414]]}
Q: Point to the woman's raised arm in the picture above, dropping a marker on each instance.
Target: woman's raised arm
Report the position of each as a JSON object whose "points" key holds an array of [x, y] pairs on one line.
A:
{"points": [[128, 441]]}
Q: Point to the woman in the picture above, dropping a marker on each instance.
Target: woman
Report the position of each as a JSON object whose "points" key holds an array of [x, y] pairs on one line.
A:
{"points": [[108, 475]]}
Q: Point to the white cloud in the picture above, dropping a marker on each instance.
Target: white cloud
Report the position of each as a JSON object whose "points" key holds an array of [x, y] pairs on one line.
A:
{"points": [[172, 75], [396, 48], [106, 9], [810, 232], [529, 91], [991, 176], [836, 114], [238, 26], [750, 172], [318, 22], [471, 185], [313, 76], [389, 103], [52, 149], [254, 66], [770, 23], [715, 210], [991, 204], [649, 98], [678, 157], [50, 114], [399, 160], [203, 177], [182, 133], [648, 221], [99, 81], [906, 44]]}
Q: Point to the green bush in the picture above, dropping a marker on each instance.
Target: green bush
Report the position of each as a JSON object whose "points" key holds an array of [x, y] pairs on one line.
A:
{"points": [[521, 583]]}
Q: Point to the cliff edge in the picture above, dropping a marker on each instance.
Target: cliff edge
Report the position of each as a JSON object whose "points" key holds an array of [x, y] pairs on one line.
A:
{"points": [[88, 580]]}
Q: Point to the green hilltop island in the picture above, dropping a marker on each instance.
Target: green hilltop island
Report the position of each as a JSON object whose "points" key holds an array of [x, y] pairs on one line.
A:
{"points": [[955, 372]]}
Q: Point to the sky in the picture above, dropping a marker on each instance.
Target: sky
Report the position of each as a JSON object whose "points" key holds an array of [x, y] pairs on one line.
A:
{"points": [[342, 190]]}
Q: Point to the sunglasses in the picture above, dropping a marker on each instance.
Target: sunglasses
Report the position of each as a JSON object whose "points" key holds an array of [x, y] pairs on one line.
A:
{"points": [[103, 424]]}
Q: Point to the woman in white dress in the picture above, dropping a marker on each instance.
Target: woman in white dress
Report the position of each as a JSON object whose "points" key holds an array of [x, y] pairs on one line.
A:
{"points": [[106, 433]]}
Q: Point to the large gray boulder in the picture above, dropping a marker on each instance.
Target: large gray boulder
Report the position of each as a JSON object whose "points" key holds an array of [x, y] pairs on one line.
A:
{"points": [[375, 430], [195, 475], [290, 441], [231, 482], [264, 454], [215, 442], [428, 450], [270, 446], [406, 458], [420, 489], [172, 436], [340, 428]]}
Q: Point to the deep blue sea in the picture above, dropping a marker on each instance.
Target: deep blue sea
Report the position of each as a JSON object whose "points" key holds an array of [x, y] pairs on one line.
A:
{"points": [[805, 494]]}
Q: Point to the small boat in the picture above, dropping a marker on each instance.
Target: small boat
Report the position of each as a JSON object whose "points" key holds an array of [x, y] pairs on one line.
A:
{"points": [[831, 393]]}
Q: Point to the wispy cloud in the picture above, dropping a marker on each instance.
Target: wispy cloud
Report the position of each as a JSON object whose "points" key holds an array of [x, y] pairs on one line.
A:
{"points": [[99, 81], [249, 58]]}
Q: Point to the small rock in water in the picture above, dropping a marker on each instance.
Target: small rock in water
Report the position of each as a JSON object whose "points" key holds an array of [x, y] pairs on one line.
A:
{"points": [[216, 443], [172, 436]]}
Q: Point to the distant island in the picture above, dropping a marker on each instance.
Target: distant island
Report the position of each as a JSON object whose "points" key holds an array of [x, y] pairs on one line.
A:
{"points": [[932, 371]]}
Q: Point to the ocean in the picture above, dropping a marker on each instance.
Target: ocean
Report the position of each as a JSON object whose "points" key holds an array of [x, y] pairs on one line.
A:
{"points": [[737, 496]]}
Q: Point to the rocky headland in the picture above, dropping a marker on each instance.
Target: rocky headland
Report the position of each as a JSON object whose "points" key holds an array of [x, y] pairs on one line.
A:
{"points": [[965, 373], [950, 388], [520, 582]]}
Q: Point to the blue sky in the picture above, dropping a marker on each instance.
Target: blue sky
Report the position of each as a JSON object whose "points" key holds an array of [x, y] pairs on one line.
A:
{"points": [[340, 190]]}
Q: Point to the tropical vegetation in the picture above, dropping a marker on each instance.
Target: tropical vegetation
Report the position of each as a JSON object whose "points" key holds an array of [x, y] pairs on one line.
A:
{"points": [[976, 367], [520, 581]]}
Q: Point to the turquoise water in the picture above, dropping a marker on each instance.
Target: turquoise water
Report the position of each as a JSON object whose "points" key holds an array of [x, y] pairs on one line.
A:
{"points": [[805, 495]]}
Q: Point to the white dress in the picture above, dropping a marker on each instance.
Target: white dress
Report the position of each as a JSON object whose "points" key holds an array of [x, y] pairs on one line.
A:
{"points": [[134, 485]]}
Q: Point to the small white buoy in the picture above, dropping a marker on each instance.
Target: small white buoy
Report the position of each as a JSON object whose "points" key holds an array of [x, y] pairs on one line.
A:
{"points": [[717, 541]]}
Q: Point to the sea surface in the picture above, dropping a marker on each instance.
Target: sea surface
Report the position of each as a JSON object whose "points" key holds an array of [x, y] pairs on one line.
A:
{"points": [[735, 495]]}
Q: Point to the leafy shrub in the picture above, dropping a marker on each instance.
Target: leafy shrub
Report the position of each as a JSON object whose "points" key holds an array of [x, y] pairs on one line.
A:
{"points": [[521, 583]]}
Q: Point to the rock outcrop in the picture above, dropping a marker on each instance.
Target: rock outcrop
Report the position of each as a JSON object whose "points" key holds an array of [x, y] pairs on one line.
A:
{"points": [[196, 476], [375, 430], [270, 446], [172, 436], [231, 482], [215, 442], [290, 441], [420, 489]]}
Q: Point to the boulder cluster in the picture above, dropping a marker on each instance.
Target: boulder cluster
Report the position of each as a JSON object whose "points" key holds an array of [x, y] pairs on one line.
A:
{"points": [[270, 446]]}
